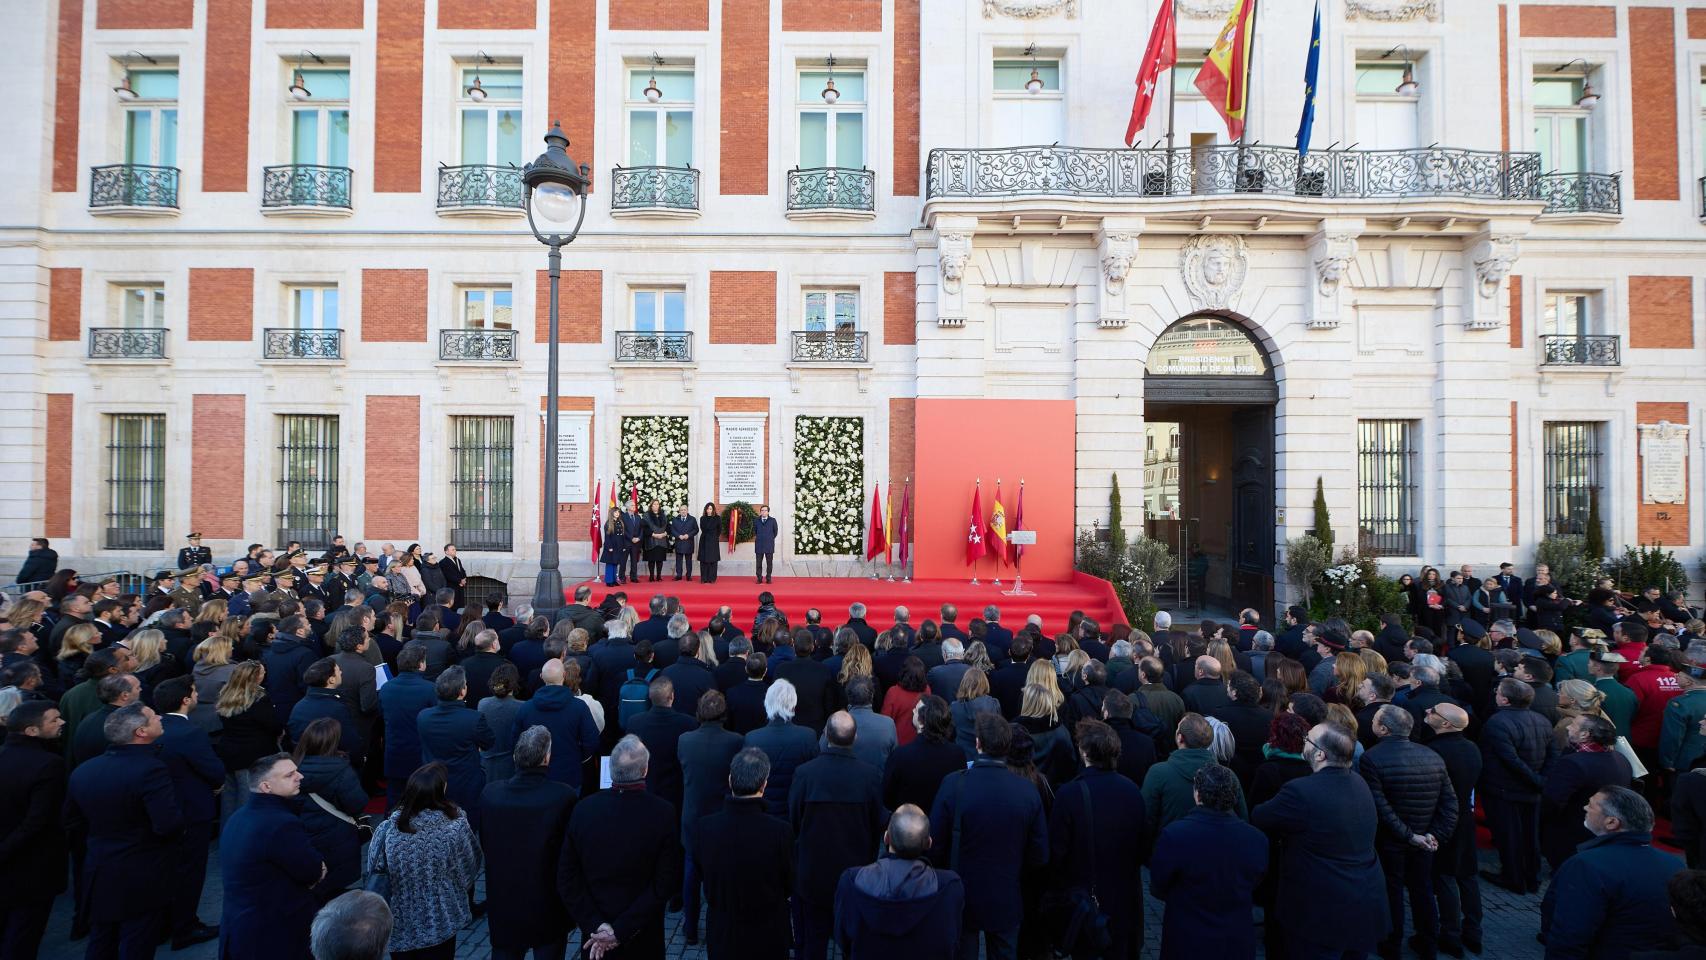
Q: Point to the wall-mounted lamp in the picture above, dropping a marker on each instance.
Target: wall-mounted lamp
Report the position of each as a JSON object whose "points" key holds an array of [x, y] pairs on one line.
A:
{"points": [[1035, 84], [124, 90], [1589, 99], [1407, 87], [830, 94], [653, 94], [474, 91], [298, 84]]}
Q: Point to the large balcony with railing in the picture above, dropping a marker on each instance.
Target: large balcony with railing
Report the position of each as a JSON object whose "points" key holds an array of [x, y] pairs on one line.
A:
{"points": [[654, 192], [479, 189], [639, 346], [474, 346], [290, 343], [127, 343], [133, 188], [305, 188], [831, 192], [1580, 350], [1582, 194], [829, 346]]}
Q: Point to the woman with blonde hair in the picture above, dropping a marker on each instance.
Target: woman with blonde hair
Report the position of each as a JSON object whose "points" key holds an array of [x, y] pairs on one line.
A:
{"points": [[1051, 746], [1372, 659], [630, 618], [978, 656], [707, 649], [249, 729], [857, 663], [25, 614], [1576, 698], [1222, 651], [1042, 673], [154, 662], [212, 671], [1349, 671], [75, 645], [1551, 646]]}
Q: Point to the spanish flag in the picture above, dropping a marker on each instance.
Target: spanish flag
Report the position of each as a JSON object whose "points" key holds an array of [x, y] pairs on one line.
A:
{"points": [[1225, 76], [998, 527], [888, 525]]}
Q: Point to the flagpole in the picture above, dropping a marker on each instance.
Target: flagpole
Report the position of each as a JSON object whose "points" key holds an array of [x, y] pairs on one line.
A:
{"points": [[905, 570], [997, 580], [1249, 71], [977, 497], [1172, 89]]}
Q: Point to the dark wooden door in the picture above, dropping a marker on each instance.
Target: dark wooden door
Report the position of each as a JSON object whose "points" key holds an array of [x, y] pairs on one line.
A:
{"points": [[1253, 509]]}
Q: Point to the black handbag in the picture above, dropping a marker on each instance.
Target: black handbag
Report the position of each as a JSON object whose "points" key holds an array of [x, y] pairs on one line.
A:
{"points": [[1084, 931]]}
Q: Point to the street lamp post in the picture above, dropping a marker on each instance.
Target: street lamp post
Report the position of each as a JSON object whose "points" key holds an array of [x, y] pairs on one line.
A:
{"points": [[556, 192]]}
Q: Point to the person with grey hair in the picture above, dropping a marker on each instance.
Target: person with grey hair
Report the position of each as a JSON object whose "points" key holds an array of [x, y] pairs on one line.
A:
{"points": [[856, 622], [1591, 764], [1326, 823], [355, 926], [621, 861], [902, 631], [1261, 644], [945, 679], [1417, 809], [116, 692], [788, 744], [747, 858], [1610, 899], [453, 734], [521, 832]]}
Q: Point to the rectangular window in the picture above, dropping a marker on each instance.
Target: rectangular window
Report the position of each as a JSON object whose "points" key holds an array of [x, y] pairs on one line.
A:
{"points": [[482, 485], [1385, 118], [1572, 474], [487, 308], [659, 111], [1386, 487], [1560, 126], [319, 121], [308, 479], [143, 307], [832, 134], [832, 309], [136, 482], [151, 120], [660, 311], [1569, 314], [490, 115], [1024, 118], [314, 308]]}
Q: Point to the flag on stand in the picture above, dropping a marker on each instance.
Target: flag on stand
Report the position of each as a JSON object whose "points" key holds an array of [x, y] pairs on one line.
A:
{"points": [[1013, 549], [1311, 72], [615, 505], [997, 534], [597, 527], [888, 525], [1225, 76], [734, 528], [905, 534], [876, 538], [636, 500], [1162, 54], [974, 537]]}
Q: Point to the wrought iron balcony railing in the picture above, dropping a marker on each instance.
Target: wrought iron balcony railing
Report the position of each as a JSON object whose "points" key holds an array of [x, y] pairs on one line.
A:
{"points": [[133, 185], [1581, 192], [476, 344], [826, 346], [1588, 350], [305, 186], [479, 186], [832, 188], [127, 343], [1230, 169], [634, 346], [665, 189], [289, 343]]}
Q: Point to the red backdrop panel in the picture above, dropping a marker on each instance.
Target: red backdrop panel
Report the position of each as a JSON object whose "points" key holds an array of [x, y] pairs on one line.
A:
{"points": [[960, 441]]}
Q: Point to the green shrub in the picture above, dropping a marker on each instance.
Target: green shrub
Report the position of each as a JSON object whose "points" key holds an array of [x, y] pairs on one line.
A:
{"points": [[1306, 559], [1135, 573], [1566, 556], [1594, 545], [1116, 521], [1650, 566], [1323, 529]]}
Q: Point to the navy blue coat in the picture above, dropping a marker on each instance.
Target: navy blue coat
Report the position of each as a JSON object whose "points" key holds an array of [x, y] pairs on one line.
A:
{"points": [[123, 803], [1205, 867], [287, 660], [996, 640], [336, 782], [692, 678], [835, 807], [746, 705], [1003, 830], [660, 729], [32, 795], [678, 526], [1104, 828], [899, 908], [1609, 900], [521, 833], [764, 533], [270, 866], [574, 735], [402, 701], [454, 734], [705, 755], [1326, 822], [788, 745], [195, 769], [325, 702]]}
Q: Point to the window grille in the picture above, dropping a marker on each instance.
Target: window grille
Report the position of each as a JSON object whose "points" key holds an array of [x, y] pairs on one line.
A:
{"points": [[482, 488], [308, 480], [136, 482], [1386, 488], [1572, 475]]}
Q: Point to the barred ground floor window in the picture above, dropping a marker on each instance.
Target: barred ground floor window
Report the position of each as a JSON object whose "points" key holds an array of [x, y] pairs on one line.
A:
{"points": [[1386, 488], [1572, 456], [136, 481], [308, 479], [482, 482]]}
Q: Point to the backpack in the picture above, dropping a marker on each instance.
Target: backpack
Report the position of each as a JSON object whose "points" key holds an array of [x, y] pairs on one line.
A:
{"points": [[634, 696]]}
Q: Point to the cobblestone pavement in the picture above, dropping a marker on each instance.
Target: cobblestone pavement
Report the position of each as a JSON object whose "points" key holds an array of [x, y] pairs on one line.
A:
{"points": [[1510, 926]]}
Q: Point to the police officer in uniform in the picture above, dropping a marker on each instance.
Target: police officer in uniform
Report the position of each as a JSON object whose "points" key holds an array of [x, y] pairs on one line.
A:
{"points": [[195, 554], [340, 582], [226, 589], [242, 602], [312, 586], [683, 530]]}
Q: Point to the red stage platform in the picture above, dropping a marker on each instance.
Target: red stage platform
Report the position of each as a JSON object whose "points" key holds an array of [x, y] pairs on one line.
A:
{"points": [[1054, 601]]}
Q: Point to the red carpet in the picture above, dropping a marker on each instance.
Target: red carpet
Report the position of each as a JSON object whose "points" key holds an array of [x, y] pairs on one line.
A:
{"points": [[1054, 601]]}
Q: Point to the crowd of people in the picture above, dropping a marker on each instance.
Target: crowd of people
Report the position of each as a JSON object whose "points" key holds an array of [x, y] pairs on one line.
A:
{"points": [[360, 756]]}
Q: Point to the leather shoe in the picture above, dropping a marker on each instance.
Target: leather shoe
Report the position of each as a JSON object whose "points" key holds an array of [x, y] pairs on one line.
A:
{"points": [[200, 933]]}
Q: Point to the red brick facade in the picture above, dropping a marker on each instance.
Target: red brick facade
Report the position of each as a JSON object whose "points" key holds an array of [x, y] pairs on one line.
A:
{"points": [[1697, 23], [1662, 523], [1562, 20], [746, 98], [1516, 312], [900, 308], [1661, 312], [67, 91], [222, 303], [65, 304], [225, 121], [314, 14], [907, 27], [1652, 32], [393, 306], [903, 450], [743, 306], [573, 79], [487, 14], [56, 492], [217, 463], [580, 307], [145, 14], [397, 92], [391, 466], [660, 14], [843, 16], [1504, 78]]}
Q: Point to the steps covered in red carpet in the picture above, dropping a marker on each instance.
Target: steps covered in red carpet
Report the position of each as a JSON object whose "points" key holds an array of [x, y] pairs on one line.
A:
{"points": [[1053, 601]]}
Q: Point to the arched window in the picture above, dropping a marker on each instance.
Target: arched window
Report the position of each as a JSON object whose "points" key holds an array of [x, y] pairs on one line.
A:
{"points": [[1207, 346]]}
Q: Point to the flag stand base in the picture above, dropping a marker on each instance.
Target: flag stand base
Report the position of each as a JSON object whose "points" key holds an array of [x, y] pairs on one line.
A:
{"points": [[974, 581], [996, 581], [1018, 589]]}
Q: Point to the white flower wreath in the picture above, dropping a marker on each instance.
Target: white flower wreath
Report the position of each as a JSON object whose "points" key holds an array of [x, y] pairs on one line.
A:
{"points": [[654, 458], [829, 485]]}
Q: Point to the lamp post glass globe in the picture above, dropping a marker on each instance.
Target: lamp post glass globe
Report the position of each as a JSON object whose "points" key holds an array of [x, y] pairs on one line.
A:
{"points": [[556, 204]]}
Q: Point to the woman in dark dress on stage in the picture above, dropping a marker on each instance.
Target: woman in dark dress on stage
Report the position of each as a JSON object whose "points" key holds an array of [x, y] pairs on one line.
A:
{"points": [[656, 524], [710, 543]]}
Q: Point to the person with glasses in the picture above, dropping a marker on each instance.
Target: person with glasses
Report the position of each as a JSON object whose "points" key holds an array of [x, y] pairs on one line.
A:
{"points": [[1327, 823]]}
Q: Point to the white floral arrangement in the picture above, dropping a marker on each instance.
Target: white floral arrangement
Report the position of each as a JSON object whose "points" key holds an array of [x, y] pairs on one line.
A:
{"points": [[829, 485], [654, 458], [1343, 575]]}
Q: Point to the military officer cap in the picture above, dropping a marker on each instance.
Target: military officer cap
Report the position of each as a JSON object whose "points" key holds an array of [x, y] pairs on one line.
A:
{"points": [[231, 575], [258, 578], [285, 574], [190, 572], [315, 571], [192, 536], [346, 561], [165, 575]]}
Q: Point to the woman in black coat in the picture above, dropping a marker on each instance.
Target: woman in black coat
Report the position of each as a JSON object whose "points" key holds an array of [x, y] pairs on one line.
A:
{"points": [[710, 543], [332, 798], [914, 772], [656, 539]]}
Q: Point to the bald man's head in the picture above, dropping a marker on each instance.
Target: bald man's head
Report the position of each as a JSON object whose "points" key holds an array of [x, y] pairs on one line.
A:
{"points": [[908, 835], [552, 673], [1447, 718], [1208, 668], [841, 729]]}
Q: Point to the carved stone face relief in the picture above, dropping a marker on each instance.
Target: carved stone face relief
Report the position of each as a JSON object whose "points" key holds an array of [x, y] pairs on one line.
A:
{"points": [[1029, 9], [1214, 267], [1392, 11]]}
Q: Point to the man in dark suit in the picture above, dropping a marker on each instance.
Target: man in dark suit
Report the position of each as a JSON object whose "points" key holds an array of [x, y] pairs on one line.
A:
{"points": [[1457, 886], [481, 665], [1326, 824], [1291, 641], [705, 754], [690, 675], [574, 734], [401, 702], [748, 865], [656, 626], [731, 667], [33, 851], [287, 659], [746, 699], [660, 727], [455, 575], [866, 633], [193, 555], [521, 834], [683, 532], [269, 866], [1099, 837], [835, 807], [899, 906], [453, 734], [197, 776], [583, 614], [634, 531], [124, 804], [41, 563], [621, 862], [950, 629], [322, 700], [764, 532], [1207, 692], [813, 681], [1248, 722], [494, 616]]}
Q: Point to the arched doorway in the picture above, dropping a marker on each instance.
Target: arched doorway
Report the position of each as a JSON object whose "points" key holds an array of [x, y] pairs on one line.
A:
{"points": [[1209, 393]]}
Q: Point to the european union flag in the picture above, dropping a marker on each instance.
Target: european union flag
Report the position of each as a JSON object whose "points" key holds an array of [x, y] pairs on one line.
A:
{"points": [[1310, 73]]}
